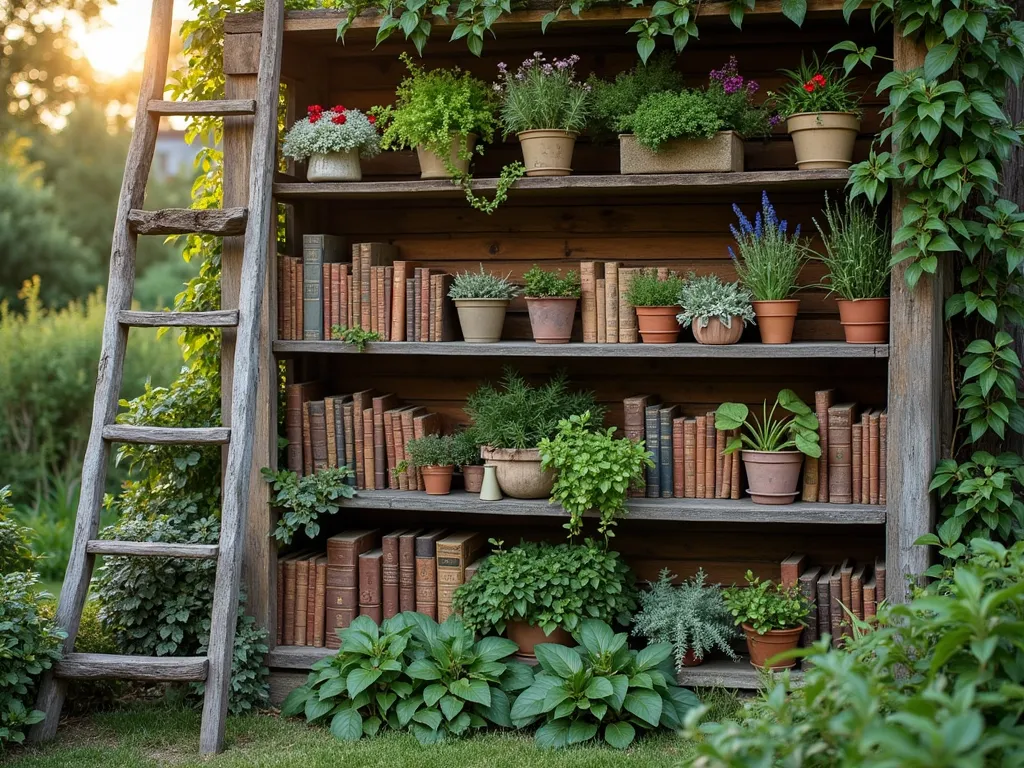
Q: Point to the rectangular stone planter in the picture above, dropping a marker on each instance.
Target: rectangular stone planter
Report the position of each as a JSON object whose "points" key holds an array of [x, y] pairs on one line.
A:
{"points": [[720, 154]]}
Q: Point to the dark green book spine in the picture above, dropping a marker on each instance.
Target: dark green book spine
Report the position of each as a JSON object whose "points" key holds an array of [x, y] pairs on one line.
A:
{"points": [[665, 469], [652, 436]]}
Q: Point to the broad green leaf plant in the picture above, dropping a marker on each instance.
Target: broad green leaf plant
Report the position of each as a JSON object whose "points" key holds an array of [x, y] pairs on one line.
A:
{"points": [[770, 432]]}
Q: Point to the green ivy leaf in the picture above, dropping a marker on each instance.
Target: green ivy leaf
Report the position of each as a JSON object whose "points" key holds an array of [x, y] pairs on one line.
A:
{"points": [[795, 11], [939, 60]]}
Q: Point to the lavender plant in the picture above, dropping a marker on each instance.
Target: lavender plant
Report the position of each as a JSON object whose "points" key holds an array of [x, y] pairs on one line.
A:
{"points": [[769, 257], [543, 95]]}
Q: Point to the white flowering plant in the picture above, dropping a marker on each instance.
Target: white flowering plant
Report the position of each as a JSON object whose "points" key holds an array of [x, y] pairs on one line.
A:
{"points": [[336, 129]]}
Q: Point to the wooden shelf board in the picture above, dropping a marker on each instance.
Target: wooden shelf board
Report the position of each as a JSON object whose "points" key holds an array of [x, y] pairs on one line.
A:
{"points": [[800, 349], [682, 510], [656, 184], [297, 656]]}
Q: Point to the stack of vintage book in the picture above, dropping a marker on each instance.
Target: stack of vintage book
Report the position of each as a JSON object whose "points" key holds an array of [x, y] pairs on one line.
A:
{"points": [[366, 574], [835, 592], [608, 318], [689, 458], [376, 291], [364, 431]]}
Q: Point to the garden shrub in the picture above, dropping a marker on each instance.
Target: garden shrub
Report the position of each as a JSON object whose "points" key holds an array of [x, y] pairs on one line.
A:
{"points": [[15, 553]]}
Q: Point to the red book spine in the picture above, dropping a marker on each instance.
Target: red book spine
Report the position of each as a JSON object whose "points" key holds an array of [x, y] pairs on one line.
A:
{"points": [[678, 458]]}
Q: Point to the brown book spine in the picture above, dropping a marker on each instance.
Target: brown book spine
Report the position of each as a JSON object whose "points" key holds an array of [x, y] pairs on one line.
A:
{"points": [[835, 590], [883, 455], [318, 434], [337, 291], [359, 402], [293, 426], [401, 478], [381, 307], [410, 311], [425, 326], [279, 599], [365, 286], [381, 405], [332, 438], [855, 460], [791, 568], [355, 295], [709, 455], [307, 441], [289, 602], [870, 598], [301, 598], [417, 309], [435, 307], [857, 592], [735, 480], [840, 448], [426, 573], [389, 574], [283, 321], [727, 471], [808, 583], [628, 332], [374, 301], [325, 279], [823, 400], [689, 458], [699, 459], [349, 319], [453, 555], [370, 593], [319, 603], [589, 272], [297, 297], [873, 457], [719, 463], [846, 594], [389, 300], [398, 292], [879, 580], [370, 467], [678, 458], [810, 480], [390, 481], [408, 478], [634, 408], [311, 601], [865, 457], [611, 302], [350, 439], [602, 310], [407, 570], [823, 594]]}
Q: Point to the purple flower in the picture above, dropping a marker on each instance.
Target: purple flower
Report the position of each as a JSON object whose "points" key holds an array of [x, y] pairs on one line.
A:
{"points": [[537, 54], [547, 69], [502, 67], [732, 84], [732, 253], [758, 229], [774, 120], [745, 226], [796, 232], [752, 86]]}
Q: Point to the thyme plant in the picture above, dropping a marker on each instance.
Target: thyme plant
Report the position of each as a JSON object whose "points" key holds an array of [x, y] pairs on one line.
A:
{"points": [[647, 290]]}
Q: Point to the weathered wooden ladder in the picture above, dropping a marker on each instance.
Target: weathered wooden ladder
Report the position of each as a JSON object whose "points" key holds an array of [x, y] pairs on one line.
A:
{"points": [[257, 222]]}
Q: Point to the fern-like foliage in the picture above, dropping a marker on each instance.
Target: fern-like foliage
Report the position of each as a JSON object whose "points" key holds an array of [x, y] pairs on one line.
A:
{"points": [[692, 616]]}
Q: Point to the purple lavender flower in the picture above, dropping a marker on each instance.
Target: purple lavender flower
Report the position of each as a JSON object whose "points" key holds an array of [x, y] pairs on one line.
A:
{"points": [[769, 211], [783, 226], [796, 232], [732, 253], [502, 67], [774, 120], [758, 228], [745, 226], [561, 64], [547, 69]]}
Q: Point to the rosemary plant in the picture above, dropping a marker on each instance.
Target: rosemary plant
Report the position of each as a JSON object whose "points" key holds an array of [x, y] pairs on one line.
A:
{"points": [[857, 251]]}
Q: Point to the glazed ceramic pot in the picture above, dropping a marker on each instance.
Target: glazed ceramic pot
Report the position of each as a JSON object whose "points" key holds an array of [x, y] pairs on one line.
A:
{"points": [[335, 166], [772, 642], [864, 321], [772, 475], [547, 152], [717, 332], [776, 320], [551, 319], [432, 165], [658, 325], [823, 139], [437, 480], [481, 319], [519, 473]]}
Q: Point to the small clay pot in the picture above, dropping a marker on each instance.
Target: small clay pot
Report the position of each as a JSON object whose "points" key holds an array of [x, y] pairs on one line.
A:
{"points": [[551, 319], [776, 320], [437, 480], [432, 165], [658, 325], [473, 477], [864, 321], [771, 643], [519, 473], [481, 319], [526, 636], [823, 139], [547, 152], [690, 659], [716, 332], [772, 475]]}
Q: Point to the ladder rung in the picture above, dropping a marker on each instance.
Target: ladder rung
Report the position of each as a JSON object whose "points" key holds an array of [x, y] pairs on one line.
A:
{"points": [[98, 666], [219, 107], [187, 221], [152, 549], [127, 433], [222, 318]]}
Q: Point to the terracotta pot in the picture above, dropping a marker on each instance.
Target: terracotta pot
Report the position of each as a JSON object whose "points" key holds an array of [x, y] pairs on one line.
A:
{"points": [[865, 321], [776, 320], [519, 473], [823, 139], [722, 153], [772, 642], [526, 636], [658, 325], [690, 659], [716, 332], [437, 480], [772, 475], [481, 319], [473, 477], [336, 166], [551, 319], [547, 153], [432, 165]]}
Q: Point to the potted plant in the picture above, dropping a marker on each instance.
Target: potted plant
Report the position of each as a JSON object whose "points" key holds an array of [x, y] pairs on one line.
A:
{"points": [[595, 471], [772, 617], [537, 593], [656, 302], [510, 421], [551, 300], [768, 263], [691, 615], [694, 130], [717, 311], [333, 140], [776, 445], [546, 107], [821, 114], [614, 99], [436, 456], [857, 255], [481, 300], [467, 456]]}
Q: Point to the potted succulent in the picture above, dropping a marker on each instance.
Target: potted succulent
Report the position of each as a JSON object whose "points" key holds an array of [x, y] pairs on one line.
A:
{"points": [[595, 471], [510, 422], [656, 302], [776, 445], [333, 140], [546, 107], [481, 300], [821, 114], [551, 300], [436, 456], [691, 615], [539, 593], [772, 617], [717, 311], [768, 263], [857, 255], [692, 130], [467, 456]]}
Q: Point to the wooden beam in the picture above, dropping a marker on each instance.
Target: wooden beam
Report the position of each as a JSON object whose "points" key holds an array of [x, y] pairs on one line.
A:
{"points": [[157, 669], [152, 549], [212, 107], [221, 318], [129, 433], [186, 221]]}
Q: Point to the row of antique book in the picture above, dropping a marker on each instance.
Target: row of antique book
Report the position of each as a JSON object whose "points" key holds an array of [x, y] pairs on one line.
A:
{"points": [[834, 590], [689, 458], [364, 573], [363, 431], [399, 300]]}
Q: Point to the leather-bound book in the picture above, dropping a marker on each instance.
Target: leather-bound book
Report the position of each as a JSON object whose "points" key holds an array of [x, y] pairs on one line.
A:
{"points": [[634, 408], [298, 302], [857, 591], [426, 572], [417, 309], [370, 594], [326, 301], [701, 431], [317, 250], [879, 579], [355, 295], [791, 568], [666, 481], [823, 400], [389, 302], [343, 552], [870, 598], [296, 395], [348, 413], [279, 599], [375, 280], [332, 438], [311, 600], [824, 600], [602, 309], [407, 569], [381, 404], [342, 281], [590, 271], [628, 331], [350, 321], [307, 441], [679, 457], [855, 461], [883, 455], [840, 453], [390, 481], [372, 255], [709, 455], [412, 478], [283, 320], [719, 463], [873, 423], [727, 460], [846, 596], [320, 601], [403, 271], [652, 436], [336, 619], [808, 583], [401, 479], [837, 617], [865, 457], [735, 481], [301, 598], [360, 402], [389, 573], [288, 619], [410, 309], [454, 553], [611, 302], [689, 458], [369, 450], [318, 434]]}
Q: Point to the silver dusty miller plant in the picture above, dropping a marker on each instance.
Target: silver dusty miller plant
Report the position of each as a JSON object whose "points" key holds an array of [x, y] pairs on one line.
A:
{"points": [[707, 296], [482, 285]]}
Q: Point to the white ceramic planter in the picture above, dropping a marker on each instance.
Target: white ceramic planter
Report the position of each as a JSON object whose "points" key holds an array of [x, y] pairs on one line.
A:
{"points": [[336, 166]]}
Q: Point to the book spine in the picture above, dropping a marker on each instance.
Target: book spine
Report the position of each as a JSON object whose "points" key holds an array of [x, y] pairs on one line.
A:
{"points": [[337, 295], [398, 301], [873, 458], [602, 309], [883, 457], [293, 427], [288, 619], [282, 299], [365, 283], [417, 295], [297, 301], [410, 312], [358, 403], [857, 594], [709, 455], [700, 436], [719, 463], [401, 478], [451, 572], [339, 433], [435, 307], [822, 402], [311, 601], [407, 573], [425, 325], [855, 461], [408, 433], [307, 441], [823, 606], [318, 434], [689, 458], [879, 580], [380, 306], [627, 314], [835, 589], [846, 595], [808, 586], [332, 438], [389, 574], [312, 293], [840, 462], [389, 299], [634, 409], [301, 597], [390, 481], [865, 457], [349, 319], [380, 453], [652, 431], [870, 599], [320, 602], [666, 457], [426, 586], [679, 475], [279, 601], [370, 598], [325, 299], [355, 296], [611, 302], [369, 468], [588, 301], [350, 441], [727, 462], [735, 469], [374, 271]]}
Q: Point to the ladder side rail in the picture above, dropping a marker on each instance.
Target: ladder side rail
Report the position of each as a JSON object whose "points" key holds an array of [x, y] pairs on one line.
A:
{"points": [[245, 379], [120, 287]]}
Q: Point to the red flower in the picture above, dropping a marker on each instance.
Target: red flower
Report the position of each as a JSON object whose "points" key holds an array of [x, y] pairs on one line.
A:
{"points": [[372, 119], [819, 79], [339, 119], [315, 109], [339, 108], [809, 86]]}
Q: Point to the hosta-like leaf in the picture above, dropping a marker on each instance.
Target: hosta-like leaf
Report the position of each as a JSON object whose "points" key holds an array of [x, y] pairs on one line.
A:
{"points": [[529, 703], [406, 709], [433, 693], [294, 703], [581, 731], [451, 706], [315, 708], [653, 655], [619, 735], [499, 711], [360, 679], [347, 725], [558, 660], [553, 735], [423, 669], [599, 688], [494, 648], [472, 690], [429, 717], [645, 704]]}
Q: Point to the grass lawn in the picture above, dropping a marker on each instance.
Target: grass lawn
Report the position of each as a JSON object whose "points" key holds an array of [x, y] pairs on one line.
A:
{"points": [[151, 735]]}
